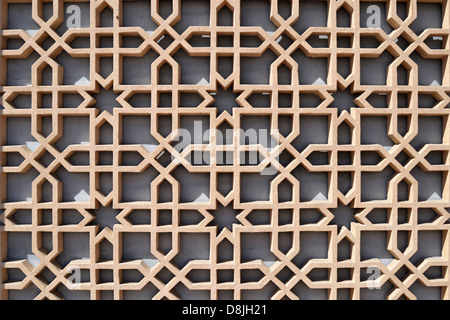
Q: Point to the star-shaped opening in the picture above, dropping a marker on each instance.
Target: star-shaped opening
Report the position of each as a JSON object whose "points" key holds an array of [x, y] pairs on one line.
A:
{"points": [[105, 217], [106, 100], [343, 100], [343, 216], [225, 100], [224, 217]]}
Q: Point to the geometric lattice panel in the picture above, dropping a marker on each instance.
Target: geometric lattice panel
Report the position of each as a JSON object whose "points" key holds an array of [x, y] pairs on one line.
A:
{"points": [[224, 149]]}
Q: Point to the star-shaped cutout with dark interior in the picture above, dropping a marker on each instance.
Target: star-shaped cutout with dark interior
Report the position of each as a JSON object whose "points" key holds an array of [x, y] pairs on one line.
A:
{"points": [[224, 217], [225, 100], [106, 100], [105, 217], [343, 216], [343, 100]]}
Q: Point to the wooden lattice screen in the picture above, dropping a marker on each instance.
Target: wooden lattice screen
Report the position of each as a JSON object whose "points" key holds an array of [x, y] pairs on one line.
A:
{"points": [[352, 190]]}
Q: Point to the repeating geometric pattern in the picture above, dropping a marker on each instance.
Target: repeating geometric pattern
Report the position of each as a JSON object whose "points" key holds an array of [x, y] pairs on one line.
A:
{"points": [[99, 105]]}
